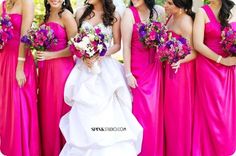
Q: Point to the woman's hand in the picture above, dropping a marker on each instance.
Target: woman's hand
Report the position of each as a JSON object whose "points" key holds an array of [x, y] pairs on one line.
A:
{"points": [[132, 82], [45, 55], [20, 75], [90, 61], [228, 61], [176, 66]]}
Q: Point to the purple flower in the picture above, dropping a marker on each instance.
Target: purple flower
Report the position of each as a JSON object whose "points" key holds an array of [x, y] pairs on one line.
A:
{"points": [[182, 40], [25, 40]]}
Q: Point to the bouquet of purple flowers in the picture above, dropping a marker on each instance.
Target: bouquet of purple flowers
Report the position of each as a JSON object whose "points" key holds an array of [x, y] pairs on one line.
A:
{"points": [[228, 41], [175, 49], [40, 38], [152, 34], [88, 42], [6, 30]]}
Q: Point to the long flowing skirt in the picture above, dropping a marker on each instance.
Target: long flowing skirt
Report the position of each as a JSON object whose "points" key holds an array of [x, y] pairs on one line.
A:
{"points": [[52, 78], [100, 122]]}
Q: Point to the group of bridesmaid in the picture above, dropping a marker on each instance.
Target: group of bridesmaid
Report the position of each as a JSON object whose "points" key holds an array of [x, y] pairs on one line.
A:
{"points": [[191, 112]]}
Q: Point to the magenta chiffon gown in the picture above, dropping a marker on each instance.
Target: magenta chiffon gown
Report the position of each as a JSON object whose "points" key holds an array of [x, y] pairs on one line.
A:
{"points": [[178, 108], [215, 117], [52, 77], [147, 97], [19, 131]]}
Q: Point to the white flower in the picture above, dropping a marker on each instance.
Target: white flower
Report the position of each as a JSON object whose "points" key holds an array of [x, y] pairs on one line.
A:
{"points": [[100, 46], [91, 37], [86, 40], [80, 46], [90, 51]]}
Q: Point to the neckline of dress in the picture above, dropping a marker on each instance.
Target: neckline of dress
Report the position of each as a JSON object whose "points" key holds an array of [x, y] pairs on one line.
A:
{"points": [[96, 25], [51, 22]]}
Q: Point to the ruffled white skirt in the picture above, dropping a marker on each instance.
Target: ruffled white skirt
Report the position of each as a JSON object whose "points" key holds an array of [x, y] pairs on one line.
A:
{"points": [[100, 122]]}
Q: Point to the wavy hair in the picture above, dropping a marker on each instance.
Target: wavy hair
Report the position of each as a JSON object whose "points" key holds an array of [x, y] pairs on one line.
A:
{"points": [[108, 17], [225, 12], [65, 5]]}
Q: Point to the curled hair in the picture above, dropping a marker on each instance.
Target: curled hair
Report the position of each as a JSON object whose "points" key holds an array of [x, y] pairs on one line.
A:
{"points": [[186, 5], [108, 18], [225, 12], [65, 5], [151, 6]]}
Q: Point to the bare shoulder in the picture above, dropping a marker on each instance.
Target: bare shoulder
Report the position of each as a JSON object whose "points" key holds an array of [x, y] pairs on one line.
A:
{"points": [[67, 17], [67, 14], [186, 25], [79, 11], [27, 3], [27, 6], [117, 16], [128, 15], [128, 12], [201, 13]]}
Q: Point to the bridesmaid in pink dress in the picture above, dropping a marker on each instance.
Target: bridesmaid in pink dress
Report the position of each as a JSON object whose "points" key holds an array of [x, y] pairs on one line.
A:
{"points": [[215, 116], [179, 83], [19, 131], [144, 75], [53, 72]]}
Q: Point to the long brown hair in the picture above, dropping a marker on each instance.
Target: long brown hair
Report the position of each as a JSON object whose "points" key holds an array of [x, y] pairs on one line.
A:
{"points": [[108, 16]]}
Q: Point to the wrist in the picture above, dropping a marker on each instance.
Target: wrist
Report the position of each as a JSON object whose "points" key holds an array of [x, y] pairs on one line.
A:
{"points": [[219, 59], [128, 74], [20, 65], [21, 59]]}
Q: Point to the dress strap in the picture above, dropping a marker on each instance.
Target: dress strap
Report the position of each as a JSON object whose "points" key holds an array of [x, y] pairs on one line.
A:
{"points": [[135, 14], [3, 8], [210, 14], [167, 21]]}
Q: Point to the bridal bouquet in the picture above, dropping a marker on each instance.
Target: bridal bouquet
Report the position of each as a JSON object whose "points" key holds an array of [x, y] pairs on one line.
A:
{"points": [[175, 49], [40, 38], [6, 30], [228, 41], [88, 43], [152, 34]]}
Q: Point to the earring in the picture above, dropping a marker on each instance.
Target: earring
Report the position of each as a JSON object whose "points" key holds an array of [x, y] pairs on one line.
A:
{"points": [[180, 11], [64, 3]]}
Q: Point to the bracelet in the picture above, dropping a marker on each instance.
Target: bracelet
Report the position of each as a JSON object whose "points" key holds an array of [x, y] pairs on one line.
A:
{"points": [[219, 59], [128, 75], [21, 59]]}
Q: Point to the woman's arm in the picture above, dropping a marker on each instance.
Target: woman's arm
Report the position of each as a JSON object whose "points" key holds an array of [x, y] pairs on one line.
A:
{"points": [[116, 36], [27, 19], [198, 41], [126, 31], [186, 28]]}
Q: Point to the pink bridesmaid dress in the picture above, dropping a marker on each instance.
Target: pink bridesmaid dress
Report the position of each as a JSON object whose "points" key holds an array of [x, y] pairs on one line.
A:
{"points": [[19, 131], [52, 77], [215, 117], [178, 108], [147, 97]]}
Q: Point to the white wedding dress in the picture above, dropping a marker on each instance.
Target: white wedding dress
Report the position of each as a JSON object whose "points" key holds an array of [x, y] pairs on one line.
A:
{"points": [[99, 102]]}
